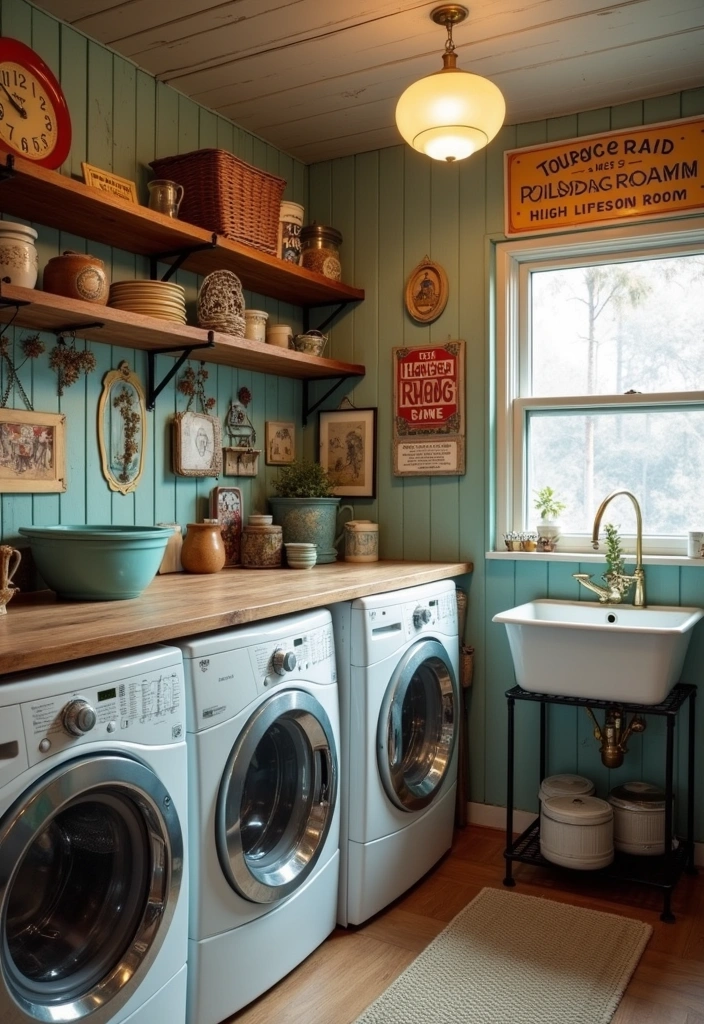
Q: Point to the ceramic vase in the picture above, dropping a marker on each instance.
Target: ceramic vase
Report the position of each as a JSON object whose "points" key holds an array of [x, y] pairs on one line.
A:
{"points": [[19, 262], [203, 548]]}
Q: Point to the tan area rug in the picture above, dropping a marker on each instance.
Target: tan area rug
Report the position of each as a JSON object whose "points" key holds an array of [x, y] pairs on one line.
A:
{"points": [[513, 959]]}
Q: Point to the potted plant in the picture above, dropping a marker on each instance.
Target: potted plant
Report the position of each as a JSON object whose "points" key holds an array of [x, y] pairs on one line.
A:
{"points": [[550, 508], [306, 508]]}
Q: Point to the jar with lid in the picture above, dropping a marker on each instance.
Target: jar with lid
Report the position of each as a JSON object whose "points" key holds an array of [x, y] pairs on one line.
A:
{"points": [[320, 250]]}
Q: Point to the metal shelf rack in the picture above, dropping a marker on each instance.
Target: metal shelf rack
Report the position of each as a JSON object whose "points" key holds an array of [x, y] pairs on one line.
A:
{"points": [[660, 872]]}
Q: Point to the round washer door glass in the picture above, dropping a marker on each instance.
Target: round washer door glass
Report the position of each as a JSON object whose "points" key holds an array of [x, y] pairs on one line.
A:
{"points": [[418, 725], [91, 859], [277, 797]]}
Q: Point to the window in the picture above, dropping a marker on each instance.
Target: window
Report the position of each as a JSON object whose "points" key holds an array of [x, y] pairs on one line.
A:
{"points": [[600, 380]]}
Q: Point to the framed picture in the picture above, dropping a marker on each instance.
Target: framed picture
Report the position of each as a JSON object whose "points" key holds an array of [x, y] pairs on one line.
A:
{"points": [[122, 424], [106, 181], [347, 445], [197, 444], [226, 507], [426, 291], [280, 443], [32, 452]]}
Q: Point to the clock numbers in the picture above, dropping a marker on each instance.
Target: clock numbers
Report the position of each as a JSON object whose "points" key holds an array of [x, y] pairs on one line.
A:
{"points": [[40, 128]]}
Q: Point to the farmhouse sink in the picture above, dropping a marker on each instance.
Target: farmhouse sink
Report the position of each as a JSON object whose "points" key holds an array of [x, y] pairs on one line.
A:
{"points": [[604, 652]]}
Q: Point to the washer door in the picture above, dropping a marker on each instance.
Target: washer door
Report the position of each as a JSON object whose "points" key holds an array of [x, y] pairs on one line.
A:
{"points": [[417, 726], [277, 797], [91, 858]]}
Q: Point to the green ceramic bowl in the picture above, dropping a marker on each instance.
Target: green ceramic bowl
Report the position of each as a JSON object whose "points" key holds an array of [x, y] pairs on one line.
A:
{"points": [[97, 563]]}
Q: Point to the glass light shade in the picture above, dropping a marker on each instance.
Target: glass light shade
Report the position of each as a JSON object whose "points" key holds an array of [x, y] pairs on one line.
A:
{"points": [[450, 114]]}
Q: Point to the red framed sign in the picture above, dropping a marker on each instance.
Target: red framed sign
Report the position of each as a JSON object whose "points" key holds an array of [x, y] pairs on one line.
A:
{"points": [[429, 417]]}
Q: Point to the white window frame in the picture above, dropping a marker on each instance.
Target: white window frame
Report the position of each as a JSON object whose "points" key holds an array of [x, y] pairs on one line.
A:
{"points": [[515, 260]]}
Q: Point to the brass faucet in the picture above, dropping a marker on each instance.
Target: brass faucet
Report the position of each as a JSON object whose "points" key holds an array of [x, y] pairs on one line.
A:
{"points": [[618, 587]]}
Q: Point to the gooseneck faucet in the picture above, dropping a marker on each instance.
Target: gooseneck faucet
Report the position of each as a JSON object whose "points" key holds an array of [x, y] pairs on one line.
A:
{"points": [[618, 586]]}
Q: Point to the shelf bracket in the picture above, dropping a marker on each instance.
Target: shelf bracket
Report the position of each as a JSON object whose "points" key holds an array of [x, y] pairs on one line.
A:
{"points": [[308, 409], [179, 256], [328, 319], [7, 170], [16, 303], [153, 391]]}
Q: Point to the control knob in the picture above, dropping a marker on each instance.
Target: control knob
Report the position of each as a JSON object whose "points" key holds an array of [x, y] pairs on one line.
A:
{"points": [[79, 717], [284, 661], [421, 617]]}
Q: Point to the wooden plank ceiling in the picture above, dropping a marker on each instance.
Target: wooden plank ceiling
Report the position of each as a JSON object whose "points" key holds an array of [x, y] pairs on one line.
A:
{"points": [[320, 78]]}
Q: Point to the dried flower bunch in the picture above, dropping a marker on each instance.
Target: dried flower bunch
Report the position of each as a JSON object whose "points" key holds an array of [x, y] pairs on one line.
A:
{"points": [[124, 403], [192, 384], [32, 347], [70, 362]]}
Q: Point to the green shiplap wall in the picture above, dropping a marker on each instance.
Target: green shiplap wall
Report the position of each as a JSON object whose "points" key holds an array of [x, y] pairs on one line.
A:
{"points": [[394, 207], [121, 119]]}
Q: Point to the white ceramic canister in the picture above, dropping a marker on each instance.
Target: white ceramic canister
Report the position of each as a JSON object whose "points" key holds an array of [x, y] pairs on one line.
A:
{"points": [[361, 541], [563, 785], [577, 832], [255, 324], [279, 334], [639, 818], [19, 262], [290, 224]]}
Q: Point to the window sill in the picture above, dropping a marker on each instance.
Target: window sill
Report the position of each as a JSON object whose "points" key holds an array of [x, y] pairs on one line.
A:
{"points": [[586, 556]]}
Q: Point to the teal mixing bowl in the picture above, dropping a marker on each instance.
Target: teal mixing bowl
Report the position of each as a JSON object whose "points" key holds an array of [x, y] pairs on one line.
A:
{"points": [[97, 563]]}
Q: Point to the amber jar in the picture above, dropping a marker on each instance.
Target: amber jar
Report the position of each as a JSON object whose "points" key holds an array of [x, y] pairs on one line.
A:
{"points": [[203, 547], [320, 250], [77, 276]]}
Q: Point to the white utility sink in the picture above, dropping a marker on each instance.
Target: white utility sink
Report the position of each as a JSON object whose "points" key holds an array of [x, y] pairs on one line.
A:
{"points": [[606, 652]]}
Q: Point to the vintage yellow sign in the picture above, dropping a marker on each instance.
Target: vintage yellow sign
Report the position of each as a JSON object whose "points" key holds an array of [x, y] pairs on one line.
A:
{"points": [[654, 171]]}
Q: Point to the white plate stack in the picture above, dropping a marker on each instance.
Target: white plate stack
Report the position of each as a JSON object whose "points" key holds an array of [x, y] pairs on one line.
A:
{"points": [[160, 299]]}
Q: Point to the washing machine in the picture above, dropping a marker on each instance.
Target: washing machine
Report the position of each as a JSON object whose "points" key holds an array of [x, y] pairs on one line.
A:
{"points": [[263, 740], [398, 669], [93, 805]]}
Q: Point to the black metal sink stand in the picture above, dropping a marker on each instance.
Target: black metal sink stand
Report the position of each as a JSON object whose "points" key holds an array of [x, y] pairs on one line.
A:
{"points": [[661, 872]]}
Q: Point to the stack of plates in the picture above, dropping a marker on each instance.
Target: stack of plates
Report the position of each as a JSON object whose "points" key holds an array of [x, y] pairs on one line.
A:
{"points": [[301, 556], [160, 299]]}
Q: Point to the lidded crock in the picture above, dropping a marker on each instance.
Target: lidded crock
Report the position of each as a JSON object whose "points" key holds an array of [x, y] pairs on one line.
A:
{"points": [[577, 832], [19, 262], [77, 275]]}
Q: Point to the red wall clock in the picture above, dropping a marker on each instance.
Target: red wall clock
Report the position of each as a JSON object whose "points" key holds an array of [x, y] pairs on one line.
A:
{"points": [[34, 117]]}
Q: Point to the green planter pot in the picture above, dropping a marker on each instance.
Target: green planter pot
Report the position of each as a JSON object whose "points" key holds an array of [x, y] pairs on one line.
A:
{"points": [[309, 521]]}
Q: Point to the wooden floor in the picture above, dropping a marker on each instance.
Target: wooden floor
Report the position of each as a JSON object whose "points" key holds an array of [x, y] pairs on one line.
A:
{"points": [[355, 965]]}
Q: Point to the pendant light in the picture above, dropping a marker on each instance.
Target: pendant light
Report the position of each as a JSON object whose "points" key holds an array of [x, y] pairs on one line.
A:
{"points": [[452, 113]]}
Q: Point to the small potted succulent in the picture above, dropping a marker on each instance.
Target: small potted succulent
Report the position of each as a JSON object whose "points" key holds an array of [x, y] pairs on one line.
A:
{"points": [[305, 507], [550, 507]]}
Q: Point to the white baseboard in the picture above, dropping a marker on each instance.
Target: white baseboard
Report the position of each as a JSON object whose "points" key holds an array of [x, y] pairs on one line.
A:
{"points": [[495, 817]]}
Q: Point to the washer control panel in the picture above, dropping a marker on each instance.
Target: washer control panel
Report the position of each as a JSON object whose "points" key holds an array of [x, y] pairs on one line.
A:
{"points": [[309, 655], [439, 611], [144, 708]]}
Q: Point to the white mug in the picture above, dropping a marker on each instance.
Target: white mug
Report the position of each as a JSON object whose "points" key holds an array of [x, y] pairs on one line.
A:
{"points": [[695, 544]]}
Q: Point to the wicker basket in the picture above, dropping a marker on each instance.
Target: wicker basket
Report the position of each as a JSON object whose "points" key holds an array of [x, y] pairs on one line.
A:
{"points": [[226, 195]]}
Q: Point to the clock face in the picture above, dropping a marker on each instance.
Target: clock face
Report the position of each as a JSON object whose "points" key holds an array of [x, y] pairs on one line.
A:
{"points": [[34, 119]]}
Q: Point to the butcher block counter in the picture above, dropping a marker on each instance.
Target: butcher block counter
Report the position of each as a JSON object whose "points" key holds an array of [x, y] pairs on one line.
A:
{"points": [[40, 630]]}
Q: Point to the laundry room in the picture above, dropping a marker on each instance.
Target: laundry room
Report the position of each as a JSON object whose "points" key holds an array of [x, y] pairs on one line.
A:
{"points": [[305, 739]]}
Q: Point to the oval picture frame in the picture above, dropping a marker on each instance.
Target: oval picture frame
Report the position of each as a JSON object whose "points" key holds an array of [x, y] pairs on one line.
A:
{"points": [[122, 423], [426, 291]]}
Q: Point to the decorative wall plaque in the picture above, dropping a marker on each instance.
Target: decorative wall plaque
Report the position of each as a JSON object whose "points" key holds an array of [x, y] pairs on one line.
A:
{"points": [[426, 291]]}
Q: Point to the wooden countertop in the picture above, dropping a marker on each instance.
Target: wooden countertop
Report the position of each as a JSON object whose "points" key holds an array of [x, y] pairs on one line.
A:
{"points": [[40, 630]]}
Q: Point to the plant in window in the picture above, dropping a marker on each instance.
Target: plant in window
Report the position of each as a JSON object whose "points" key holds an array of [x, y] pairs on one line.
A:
{"points": [[550, 507]]}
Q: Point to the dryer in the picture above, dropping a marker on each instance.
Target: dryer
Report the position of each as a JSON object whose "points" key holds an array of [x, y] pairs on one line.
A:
{"points": [[263, 740], [398, 667], [93, 804]]}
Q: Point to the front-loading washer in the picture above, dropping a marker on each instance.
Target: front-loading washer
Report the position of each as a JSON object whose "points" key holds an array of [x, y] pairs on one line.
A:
{"points": [[93, 805], [263, 740], [398, 672]]}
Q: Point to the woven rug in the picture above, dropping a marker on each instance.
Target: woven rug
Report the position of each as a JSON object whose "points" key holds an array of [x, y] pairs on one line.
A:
{"points": [[513, 959]]}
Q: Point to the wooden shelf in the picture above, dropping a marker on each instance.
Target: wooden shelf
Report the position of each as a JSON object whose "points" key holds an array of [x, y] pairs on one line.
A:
{"points": [[46, 197], [44, 312]]}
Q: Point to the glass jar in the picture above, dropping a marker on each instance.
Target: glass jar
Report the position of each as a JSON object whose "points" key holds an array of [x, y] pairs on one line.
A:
{"points": [[320, 250]]}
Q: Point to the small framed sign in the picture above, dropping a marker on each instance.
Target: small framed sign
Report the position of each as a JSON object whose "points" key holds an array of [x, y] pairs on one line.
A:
{"points": [[197, 444], [347, 439], [280, 443], [429, 417], [106, 181], [32, 452]]}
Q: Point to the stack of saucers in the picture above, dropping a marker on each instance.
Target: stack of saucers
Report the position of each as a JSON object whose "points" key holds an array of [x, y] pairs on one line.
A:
{"points": [[301, 556], [160, 299]]}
